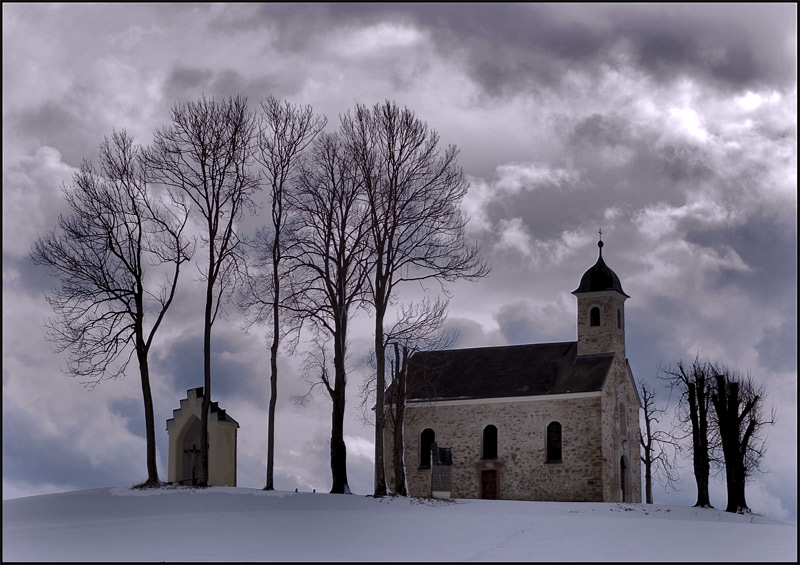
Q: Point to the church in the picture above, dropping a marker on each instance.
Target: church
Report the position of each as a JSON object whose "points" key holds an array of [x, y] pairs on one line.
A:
{"points": [[546, 422]]}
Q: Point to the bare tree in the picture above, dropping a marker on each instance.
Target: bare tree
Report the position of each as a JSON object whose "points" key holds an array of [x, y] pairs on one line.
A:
{"points": [[413, 193], [205, 154], [329, 267], [103, 254], [694, 386], [657, 445], [418, 328], [285, 130], [738, 404]]}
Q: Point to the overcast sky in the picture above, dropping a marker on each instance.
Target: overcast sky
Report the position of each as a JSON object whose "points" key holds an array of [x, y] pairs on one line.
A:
{"points": [[673, 128]]}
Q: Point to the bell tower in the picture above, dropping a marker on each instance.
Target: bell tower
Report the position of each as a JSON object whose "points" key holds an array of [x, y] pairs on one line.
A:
{"points": [[601, 310]]}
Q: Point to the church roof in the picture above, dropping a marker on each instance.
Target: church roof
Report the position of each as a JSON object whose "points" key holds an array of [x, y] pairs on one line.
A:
{"points": [[507, 371], [599, 277]]}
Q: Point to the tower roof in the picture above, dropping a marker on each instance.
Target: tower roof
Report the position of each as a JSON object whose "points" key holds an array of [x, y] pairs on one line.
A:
{"points": [[600, 277]]}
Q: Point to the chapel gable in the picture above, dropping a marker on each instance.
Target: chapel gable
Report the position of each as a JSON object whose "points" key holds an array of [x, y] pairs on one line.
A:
{"points": [[184, 431]]}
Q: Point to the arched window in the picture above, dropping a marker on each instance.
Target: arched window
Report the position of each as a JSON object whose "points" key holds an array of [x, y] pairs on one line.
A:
{"points": [[619, 318], [489, 442], [553, 442], [594, 316], [428, 438]]}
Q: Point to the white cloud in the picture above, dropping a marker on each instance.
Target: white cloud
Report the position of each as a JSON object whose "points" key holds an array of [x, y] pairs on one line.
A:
{"points": [[688, 122], [514, 235], [379, 37]]}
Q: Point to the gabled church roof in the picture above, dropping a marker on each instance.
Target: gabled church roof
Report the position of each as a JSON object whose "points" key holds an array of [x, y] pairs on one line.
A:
{"points": [[506, 371]]}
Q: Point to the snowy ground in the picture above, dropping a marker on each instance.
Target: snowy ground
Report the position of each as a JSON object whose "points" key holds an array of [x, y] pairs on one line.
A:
{"points": [[241, 524]]}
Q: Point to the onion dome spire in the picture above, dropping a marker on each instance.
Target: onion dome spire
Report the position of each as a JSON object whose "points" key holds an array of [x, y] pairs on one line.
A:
{"points": [[600, 277]]}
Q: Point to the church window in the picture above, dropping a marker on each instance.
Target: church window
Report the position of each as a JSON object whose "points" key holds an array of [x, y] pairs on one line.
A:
{"points": [[619, 319], [427, 440], [490, 442], [554, 442], [594, 316]]}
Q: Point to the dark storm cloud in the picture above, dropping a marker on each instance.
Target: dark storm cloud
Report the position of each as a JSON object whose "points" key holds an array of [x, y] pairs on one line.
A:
{"points": [[132, 411], [60, 125], [30, 279], [610, 130], [189, 84], [53, 459], [766, 247], [183, 80], [651, 339], [743, 44], [519, 324], [508, 47], [182, 369]]}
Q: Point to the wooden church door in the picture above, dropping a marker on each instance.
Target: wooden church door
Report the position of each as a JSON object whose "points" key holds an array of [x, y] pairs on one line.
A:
{"points": [[489, 484]]}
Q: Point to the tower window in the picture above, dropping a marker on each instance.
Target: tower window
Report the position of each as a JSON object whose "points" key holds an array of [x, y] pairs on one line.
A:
{"points": [[594, 316], [489, 442], [426, 441], [619, 319], [554, 442]]}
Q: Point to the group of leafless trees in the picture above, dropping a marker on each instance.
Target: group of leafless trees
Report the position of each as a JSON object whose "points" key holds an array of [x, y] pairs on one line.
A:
{"points": [[719, 422], [355, 214]]}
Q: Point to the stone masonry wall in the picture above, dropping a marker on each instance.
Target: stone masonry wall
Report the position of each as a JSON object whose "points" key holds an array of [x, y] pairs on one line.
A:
{"points": [[621, 437], [607, 337], [523, 473]]}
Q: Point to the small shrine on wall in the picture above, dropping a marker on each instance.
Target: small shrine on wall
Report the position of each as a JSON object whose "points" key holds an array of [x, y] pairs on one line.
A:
{"points": [[184, 429]]}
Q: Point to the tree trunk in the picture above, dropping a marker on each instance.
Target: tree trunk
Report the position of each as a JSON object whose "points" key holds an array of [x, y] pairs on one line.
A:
{"points": [[149, 419], [701, 464], [380, 386], [648, 473], [204, 478], [273, 364], [338, 449], [400, 409], [727, 404]]}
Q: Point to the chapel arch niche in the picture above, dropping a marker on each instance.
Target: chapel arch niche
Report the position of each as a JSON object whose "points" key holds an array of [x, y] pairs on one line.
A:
{"points": [[189, 472]]}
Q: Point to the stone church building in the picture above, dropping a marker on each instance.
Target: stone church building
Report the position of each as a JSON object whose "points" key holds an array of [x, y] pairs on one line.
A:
{"points": [[549, 422]]}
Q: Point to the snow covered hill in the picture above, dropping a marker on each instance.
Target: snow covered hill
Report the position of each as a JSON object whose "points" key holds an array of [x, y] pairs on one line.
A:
{"points": [[242, 524]]}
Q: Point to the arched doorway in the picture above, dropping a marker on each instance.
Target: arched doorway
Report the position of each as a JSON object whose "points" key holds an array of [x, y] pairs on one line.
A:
{"points": [[623, 478]]}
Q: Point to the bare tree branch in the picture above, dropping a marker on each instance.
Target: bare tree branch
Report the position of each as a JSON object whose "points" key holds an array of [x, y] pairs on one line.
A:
{"points": [[101, 254], [413, 192], [205, 155]]}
